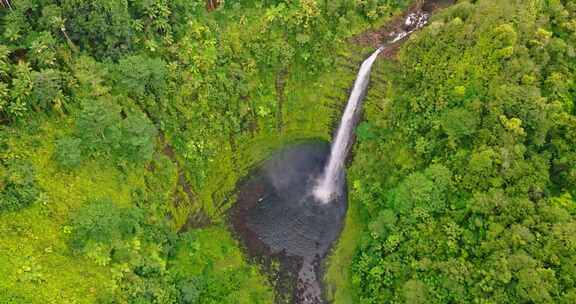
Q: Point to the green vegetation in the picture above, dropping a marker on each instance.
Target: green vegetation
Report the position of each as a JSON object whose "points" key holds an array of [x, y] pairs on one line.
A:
{"points": [[120, 120], [19, 188], [474, 127]]}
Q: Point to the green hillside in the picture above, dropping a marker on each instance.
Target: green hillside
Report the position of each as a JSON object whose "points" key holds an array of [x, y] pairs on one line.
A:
{"points": [[474, 128], [125, 126]]}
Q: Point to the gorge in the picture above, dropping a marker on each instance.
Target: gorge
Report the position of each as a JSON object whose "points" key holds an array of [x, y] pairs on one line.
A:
{"points": [[292, 207]]}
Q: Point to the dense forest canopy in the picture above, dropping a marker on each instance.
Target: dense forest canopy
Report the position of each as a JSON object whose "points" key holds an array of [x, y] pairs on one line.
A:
{"points": [[126, 124], [477, 139]]}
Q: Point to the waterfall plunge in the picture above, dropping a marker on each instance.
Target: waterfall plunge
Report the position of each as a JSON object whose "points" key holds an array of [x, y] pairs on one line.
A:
{"points": [[330, 182]]}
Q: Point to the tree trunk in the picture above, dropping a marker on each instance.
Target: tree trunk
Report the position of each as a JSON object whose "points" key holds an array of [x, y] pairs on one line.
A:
{"points": [[212, 5]]}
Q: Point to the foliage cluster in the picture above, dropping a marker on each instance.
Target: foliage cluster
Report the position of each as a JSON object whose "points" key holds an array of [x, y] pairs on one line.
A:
{"points": [[101, 130], [18, 187], [152, 264]]}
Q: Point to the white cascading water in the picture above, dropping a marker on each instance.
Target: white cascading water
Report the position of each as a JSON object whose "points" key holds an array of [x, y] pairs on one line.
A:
{"points": [[329, 184]]}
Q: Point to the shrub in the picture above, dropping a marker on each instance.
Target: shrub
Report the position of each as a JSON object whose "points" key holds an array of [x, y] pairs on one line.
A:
{"points": [[138, 135], [140, 75], [98, 126], [10, 297], [101, 223], [68, 152], [46, 89], [18, 188], [102, 131]]}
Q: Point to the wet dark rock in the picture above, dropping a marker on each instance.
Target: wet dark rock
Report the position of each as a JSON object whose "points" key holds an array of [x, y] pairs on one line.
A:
{"points": [[276, 217]]}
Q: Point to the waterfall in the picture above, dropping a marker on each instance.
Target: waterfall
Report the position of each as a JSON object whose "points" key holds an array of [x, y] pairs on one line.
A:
{"points": [[331, 179], [330, 183]]}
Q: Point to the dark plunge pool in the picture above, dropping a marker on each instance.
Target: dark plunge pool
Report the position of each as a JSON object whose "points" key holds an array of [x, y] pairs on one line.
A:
{"points": [[278, 220]]}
